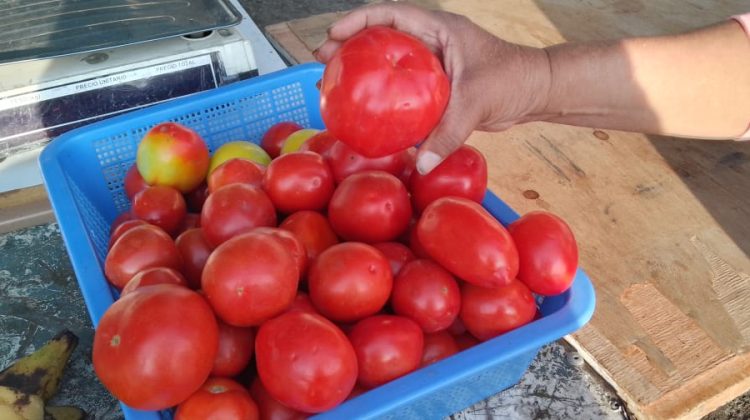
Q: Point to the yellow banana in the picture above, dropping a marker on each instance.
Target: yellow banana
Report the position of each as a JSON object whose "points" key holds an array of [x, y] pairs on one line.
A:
{"points": [[63, 412], [39, 373], [18, 405]]}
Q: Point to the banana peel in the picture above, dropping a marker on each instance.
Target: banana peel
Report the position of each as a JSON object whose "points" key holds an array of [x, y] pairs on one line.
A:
{"points": [[39, 373], [18, 405], [63, 412]]}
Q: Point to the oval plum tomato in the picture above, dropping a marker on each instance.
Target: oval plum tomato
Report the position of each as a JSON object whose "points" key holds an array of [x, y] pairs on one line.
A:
{"points": [[235, 170], [236, 345], [238, 149], [122, 228], [155, 346], [173, 155], [465, 239], [297, 139], [234, 209], [270, 408], [196, 198], [344, 162], [298, 181], [428, 294], [387, 347], [152, 276], [139, 248], [397, 254], [320, 143], [547, 252], [383, 91], [160, 206], [415, 244], [218, 399], [313, 230], [462, 174], [487, 313], [274, 138], [250, 278], [292, 244], [350, 281], [133, 182], [307, 380], [438, 346], [195, 251], [370, 207]]}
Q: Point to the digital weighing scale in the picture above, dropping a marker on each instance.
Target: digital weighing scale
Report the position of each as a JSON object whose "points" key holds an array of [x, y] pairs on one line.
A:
{"points": [[66, 63]]}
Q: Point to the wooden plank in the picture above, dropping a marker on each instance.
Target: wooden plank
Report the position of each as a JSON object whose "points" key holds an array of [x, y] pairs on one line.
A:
{"points": [[662, 222], [23, 208]]}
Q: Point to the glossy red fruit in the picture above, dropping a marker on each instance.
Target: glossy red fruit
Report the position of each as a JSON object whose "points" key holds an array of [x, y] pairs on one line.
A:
{"points": [[122, 228], [397, 254], [274, 138], [292, 243], [427, 293], [235, 209], [152, 276], [344, 162], [161, 206], [313, 230], [194, 250], [139, 248], [438, 346], [298, 181], [220, 399], [487, 313], [319, 143], [236, 170], [133, 182], [270, 408], [236, 345]]}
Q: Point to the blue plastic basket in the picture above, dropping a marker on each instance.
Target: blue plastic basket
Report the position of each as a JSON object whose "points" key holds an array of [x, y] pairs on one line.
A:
{"points": [[83, 172]]}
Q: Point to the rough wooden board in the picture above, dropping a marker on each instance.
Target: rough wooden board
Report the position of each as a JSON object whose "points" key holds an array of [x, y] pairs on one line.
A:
{"points": [[664, 224], [23, 208]]}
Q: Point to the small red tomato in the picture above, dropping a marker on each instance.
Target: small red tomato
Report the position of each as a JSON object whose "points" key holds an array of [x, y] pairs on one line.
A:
{"points": [[292, 244], [344, 162], [462, 174], [160, 206], [236, 170], [487, 313], [195, 251], [438, 346], [350, 281], [305, 361], [250, 278], [139, 248], [173, 155], [319, 143], [236, 346], [415, 244], [218, 398], [428, 294], [398, 255], [122, 228], [303, 303], [370, 207], [120, 219], [274, 138], [387, 347], [190, 221], [547, 252], [235, 209], [298, 181], [152, 276], [196, 198], [313, 230], [465, 239], [270, 408], [133, 182]]}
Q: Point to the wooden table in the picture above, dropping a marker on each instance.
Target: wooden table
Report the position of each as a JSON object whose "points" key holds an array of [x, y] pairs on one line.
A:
{"points": [[663, 223]]}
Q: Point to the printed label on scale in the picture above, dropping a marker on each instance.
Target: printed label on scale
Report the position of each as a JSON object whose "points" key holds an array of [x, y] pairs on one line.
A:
{"points": [[47, 113]]}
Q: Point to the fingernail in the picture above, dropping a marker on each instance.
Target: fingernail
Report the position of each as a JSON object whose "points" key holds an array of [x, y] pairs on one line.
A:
{"points": [[315, 53], [427, 161]]}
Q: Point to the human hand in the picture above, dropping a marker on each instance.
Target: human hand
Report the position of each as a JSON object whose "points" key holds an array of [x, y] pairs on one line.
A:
{"points": [[494, 84]]}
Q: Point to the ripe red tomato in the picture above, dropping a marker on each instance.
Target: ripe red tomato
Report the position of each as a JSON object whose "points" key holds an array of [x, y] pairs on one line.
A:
{"points": [[387, 347], [292, 244], [305, 361], [350, 281], [250, 278], [438, 346], [298, 181], [219, 399], [235, 209], [487, 313], [465, 341], [236, 346], [465, 239], [120, 219], [547, 252], [236, 170], [122, 228], [155, 346], [344, 162], [196, 198], [428, 294], [383, 91], [313, 230], [133, 182], [139, 248], [415, 245], [462, 174], [397, 254], [173, 155], [160, 206], [190, 221], [319, 143], [410, 165], [370, 207], [303, 303], [274, 138], [269, 408], [152, 276], [195, 251]]}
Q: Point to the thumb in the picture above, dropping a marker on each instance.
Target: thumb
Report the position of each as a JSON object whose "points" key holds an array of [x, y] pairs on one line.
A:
{"points": [[451, 132]]}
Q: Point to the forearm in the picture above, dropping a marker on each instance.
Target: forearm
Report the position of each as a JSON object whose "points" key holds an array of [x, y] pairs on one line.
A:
{"points": [[692, 85]]}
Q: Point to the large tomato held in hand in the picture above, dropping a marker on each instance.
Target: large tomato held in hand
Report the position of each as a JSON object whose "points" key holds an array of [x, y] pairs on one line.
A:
{"points": [[154, 347], [345, 161], [487, 313], [547, 252], [383, 91], [173, 155]]}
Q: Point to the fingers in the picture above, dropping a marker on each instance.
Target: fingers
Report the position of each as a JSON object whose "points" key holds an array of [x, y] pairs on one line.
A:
{"points": [[325, 52], [450, 133], [404, 17]]}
